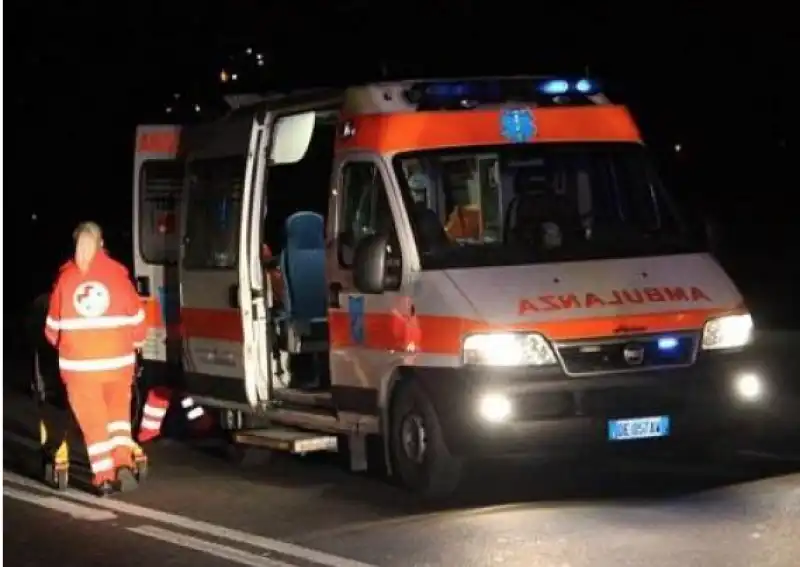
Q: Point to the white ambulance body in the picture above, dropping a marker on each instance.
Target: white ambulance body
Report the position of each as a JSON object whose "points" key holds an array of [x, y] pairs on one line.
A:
{"points": [[499, 271], [158, 177]]}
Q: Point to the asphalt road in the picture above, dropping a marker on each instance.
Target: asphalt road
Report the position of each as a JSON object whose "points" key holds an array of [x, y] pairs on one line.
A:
{"points": [[309, 512]]}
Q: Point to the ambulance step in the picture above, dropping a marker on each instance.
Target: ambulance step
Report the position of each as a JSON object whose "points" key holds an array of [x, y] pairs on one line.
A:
{"points": [[317, 399], [288, 440]]}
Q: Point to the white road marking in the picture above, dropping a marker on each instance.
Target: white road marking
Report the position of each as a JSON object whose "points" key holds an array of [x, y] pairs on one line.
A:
{"points": [[198, 526], [208, 547], [59, 505]]}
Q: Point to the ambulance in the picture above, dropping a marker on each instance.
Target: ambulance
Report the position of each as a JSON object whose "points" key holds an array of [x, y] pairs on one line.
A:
{"points": [[469, 268]]}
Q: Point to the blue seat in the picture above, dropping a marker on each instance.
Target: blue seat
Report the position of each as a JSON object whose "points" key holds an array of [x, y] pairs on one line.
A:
{"points": [[305, 290]]}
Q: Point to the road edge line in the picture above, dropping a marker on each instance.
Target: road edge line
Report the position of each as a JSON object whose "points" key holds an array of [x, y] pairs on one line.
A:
{"points": [[198, 526], [55, 504], [208, 547]]}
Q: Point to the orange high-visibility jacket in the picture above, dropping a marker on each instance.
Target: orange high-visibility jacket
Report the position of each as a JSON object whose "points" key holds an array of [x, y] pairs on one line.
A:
{"points": [[95, 321]]}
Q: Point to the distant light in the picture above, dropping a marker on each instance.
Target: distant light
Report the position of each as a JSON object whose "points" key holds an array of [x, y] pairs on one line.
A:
{"points": [[678, 147], [249, 50], [260, 62], [234, 77], [259, 56], [176, 96], [34, 217], [223, 76], [168, 109], [197, 108]]}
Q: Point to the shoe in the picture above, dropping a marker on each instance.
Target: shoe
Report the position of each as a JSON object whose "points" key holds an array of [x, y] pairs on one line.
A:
{"points": [[105, 488], [126, 479]]}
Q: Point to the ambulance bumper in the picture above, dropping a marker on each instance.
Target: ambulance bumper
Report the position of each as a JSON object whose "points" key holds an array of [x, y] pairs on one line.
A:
{"points": [[506, 411]]}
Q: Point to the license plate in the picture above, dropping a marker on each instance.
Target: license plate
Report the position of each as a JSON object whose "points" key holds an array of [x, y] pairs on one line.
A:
{"points": [[638, 428]]}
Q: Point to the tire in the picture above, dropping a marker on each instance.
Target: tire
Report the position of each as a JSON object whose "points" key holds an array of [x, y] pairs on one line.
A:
{"points": [[435, 474]]}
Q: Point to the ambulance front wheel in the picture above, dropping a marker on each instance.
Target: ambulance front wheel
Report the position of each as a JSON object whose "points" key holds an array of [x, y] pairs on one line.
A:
{"points": [[419, 454]]}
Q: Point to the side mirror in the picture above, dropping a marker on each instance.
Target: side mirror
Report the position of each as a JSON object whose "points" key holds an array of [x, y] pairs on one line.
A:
{"points": [[344, 249], [369, 264]]}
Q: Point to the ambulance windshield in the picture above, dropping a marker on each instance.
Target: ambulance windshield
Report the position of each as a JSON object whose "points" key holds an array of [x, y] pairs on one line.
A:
{"points": [[537, 203]]}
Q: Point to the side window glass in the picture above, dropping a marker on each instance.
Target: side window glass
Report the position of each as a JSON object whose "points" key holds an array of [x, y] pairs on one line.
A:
{"points": [[366, 211], [160, 186], [214, 210]]}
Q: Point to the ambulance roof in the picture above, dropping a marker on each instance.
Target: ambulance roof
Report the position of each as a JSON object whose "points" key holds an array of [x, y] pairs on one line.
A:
{"points": [[411, 95]]}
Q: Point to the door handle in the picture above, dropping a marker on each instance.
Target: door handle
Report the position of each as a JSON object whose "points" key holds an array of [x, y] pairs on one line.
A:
{"points": [[143, 286], [233, 296], [334, 289]]}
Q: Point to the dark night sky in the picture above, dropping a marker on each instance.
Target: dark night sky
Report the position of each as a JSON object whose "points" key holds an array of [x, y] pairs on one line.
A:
{"points": [[80, 75]]}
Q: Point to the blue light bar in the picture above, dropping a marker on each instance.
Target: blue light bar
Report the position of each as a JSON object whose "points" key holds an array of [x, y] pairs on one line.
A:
{"points": [[447, 90], [555, 87], [459, 94]]}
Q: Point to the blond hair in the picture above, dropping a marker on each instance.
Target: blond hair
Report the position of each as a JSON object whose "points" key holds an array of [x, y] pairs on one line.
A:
{"points": [[88, 228], [88, 240]]}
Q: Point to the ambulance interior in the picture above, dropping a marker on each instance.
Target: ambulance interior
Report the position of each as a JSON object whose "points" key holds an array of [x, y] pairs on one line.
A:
{"points": [[293, 256]]}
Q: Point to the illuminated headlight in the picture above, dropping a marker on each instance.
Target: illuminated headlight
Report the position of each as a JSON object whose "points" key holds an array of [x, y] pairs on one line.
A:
{"points": [[730, 331], [508, 349]]}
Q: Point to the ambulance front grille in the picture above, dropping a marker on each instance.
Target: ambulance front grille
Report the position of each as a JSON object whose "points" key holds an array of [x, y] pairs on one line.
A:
{"points": [[628, 354]]}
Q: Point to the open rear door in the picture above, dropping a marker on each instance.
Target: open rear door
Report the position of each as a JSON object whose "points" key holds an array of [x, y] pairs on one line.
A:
{"points": [[286, 143]]}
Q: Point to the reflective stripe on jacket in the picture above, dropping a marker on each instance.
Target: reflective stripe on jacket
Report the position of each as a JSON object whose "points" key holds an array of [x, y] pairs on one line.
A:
{"points": [[95, 320]]}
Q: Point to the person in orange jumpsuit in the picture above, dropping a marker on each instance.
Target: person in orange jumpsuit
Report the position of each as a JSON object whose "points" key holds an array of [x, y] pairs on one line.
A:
{"points": [[96, 323]]}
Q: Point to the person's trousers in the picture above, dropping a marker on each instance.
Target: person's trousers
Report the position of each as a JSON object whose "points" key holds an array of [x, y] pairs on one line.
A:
{"points": [[103, 412]]}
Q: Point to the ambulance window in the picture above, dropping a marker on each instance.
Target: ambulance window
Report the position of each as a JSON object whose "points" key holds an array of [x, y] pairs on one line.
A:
{"points": [[212, 226], [472, 198], [160, 186], [367, 210]]}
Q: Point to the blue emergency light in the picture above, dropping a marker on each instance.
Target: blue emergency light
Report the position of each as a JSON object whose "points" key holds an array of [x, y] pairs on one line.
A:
{"points": [[543, 91], [448, 90], [555, 87], [667, 343]]}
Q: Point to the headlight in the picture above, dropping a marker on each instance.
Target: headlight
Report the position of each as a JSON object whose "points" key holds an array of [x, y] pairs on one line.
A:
{"points": [[730, 331], [508, 349]]}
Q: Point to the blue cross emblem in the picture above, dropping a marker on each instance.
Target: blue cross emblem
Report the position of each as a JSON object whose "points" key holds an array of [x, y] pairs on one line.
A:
{"points": [[517, 125]]}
